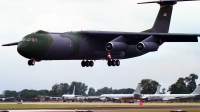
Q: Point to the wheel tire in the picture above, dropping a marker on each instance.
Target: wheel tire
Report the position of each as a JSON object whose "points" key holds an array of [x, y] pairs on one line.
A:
{"points": [[32, 62], [87, 64], [117, 62], [83, 63], [29, 62], [113, 63], [91, 63], [109, 63]]}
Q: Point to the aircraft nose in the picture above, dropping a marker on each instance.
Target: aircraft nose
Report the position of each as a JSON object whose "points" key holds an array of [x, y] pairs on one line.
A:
{"points": [[23, 50]]}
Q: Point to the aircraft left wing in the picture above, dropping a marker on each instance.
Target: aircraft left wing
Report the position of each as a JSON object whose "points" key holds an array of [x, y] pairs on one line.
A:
{"points": [[11, 44], [138, 37]]}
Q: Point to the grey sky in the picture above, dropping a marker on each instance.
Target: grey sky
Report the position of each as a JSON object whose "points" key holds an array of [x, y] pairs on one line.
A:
{"points": [[21, 17]]}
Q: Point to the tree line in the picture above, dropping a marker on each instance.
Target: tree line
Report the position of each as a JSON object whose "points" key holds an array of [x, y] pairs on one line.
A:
{"points": [[181, 86]]}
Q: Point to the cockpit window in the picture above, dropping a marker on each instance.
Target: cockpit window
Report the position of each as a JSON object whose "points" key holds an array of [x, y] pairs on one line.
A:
{"points": [[28, 39], [34, 39], [23, 39]]}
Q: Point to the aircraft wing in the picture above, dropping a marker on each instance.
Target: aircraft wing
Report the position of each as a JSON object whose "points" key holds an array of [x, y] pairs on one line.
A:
{"points": [[11, 44], [138, 37], [7, 98]]}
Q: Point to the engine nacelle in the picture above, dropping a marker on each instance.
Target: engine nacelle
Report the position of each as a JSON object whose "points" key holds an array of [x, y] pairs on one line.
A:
{"points": [[147, 46], [116, 46]]}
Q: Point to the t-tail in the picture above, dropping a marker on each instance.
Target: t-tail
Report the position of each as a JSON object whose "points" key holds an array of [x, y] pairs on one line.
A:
{"points": [[197, 90], [160, 26], [158, 89], [73, 91], [163, 19], [138, 90]]}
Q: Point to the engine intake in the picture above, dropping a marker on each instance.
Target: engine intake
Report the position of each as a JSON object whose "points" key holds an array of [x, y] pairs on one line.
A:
{"points": [[116, 46], [147, 46]]}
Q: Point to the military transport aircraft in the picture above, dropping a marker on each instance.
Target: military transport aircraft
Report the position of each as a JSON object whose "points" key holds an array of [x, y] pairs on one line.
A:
{"points": [[72, 97], [171, 97], [114, 97], [102, 45]]}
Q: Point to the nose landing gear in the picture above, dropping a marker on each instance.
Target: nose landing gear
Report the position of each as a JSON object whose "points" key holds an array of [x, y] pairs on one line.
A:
{"points": [[31, 62], [87, 63], [113, 63]]}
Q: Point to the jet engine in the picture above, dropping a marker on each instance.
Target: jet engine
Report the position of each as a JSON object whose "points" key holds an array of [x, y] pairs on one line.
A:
{"points": [[147, 46], [116, 46]]}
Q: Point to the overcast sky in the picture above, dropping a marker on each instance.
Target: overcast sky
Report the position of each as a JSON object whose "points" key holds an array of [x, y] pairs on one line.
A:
{"points": [[21, 17]]}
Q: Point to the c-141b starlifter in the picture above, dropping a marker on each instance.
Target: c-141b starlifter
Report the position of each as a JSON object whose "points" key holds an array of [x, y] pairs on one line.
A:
{"points": [[107, 45]]}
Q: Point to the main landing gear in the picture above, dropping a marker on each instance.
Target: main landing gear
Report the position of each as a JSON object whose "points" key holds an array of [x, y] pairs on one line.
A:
{"points": [[87, 63], [113, 63], [31, 62]]}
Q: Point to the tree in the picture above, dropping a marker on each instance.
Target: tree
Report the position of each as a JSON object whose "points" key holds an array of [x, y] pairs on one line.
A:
{"points": [[56, 90], [65, 88], [179, 87], [91, 92], [104, 90], [44, 92], [149, 86], [8, 93], [28, 93], [191, 83]]}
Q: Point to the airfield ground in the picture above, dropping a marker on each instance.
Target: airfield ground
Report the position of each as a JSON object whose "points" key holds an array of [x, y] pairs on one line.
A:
{"points": [[100, 107]]}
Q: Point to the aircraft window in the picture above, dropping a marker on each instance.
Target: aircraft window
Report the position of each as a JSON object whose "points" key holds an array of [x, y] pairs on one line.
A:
{"points": [[23, 39], [28, 39], [34, 39]]}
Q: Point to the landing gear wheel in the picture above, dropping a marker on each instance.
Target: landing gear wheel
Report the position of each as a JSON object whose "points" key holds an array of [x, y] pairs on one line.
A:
{"points": [[87, 64], [117, 62], [113, 62], [109, 63], [31, 62], [91, 63], [83, 63]]}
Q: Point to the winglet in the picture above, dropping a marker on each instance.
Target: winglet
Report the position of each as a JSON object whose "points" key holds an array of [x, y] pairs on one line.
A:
{"points": [[166, 2]]}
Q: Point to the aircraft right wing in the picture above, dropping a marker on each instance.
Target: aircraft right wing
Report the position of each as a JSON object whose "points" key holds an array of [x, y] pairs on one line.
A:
{"points": [[137, 37]]}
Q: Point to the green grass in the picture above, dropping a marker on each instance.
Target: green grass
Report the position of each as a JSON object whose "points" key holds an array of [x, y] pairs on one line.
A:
{"points": [[94, 105]]}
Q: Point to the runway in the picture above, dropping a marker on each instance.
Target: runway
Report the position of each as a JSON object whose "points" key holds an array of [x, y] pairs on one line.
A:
{"points": [[106, 108]]}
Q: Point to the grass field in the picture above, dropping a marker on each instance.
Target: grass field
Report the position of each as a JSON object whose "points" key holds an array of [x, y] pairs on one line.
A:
{"points": [[81, 105], [50, 105]]}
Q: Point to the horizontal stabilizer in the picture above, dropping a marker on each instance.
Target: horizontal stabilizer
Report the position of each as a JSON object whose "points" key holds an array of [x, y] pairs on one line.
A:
{"points": [[11, 44], [168, 2]]}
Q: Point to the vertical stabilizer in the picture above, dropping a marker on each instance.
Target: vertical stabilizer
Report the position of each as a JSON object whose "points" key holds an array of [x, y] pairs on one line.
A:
{"points": [[162, 22], [138, 90], [197, 90], [73, 91], [158, 89]]}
